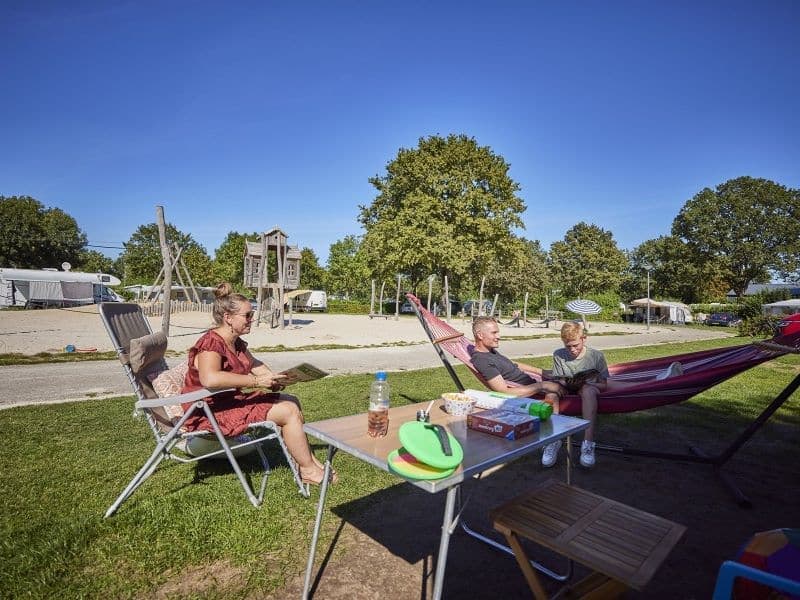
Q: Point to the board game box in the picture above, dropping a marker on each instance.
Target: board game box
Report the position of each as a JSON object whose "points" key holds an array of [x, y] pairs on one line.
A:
{"points": [[503, 423]]}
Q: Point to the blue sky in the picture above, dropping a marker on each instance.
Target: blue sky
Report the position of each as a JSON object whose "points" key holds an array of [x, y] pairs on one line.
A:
{"points": [[238, 116]]}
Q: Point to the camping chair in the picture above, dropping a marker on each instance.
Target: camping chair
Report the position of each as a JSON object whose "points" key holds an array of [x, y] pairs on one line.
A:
{"points": [[732, 570], [702, 370], [141, 353]]}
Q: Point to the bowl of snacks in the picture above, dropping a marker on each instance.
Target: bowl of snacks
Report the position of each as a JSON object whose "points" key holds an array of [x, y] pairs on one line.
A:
{"points": [[458, 404]]}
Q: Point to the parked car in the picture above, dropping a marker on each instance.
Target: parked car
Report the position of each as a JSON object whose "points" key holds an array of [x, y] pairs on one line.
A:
{"points": [[724, 319], [789, 324], [470, 307], [455, 308], [406, 308]]}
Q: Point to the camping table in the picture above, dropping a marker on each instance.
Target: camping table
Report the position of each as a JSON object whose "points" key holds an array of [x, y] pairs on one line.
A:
{"points": [[622, 545], [481, 452]]}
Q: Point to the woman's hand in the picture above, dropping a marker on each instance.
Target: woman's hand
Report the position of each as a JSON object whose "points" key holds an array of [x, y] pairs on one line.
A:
{"points": [[268, 380]]}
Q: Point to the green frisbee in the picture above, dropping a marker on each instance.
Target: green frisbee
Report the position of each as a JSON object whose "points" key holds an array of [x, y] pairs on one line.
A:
{"points": [[423, 442], [404, 464]]}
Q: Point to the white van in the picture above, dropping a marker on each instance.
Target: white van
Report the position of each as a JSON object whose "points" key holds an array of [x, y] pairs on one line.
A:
{"points": [[310, 301]]}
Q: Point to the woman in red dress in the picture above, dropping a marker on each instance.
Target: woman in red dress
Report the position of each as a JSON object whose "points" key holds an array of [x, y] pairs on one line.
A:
{"points": [[220, 359]]}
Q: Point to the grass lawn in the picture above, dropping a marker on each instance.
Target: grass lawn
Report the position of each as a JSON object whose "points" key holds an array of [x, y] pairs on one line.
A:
{"points": [[64, 464]]}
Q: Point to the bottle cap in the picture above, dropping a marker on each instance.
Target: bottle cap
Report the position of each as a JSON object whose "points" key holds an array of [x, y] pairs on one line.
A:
{"points": [[380, 375]]}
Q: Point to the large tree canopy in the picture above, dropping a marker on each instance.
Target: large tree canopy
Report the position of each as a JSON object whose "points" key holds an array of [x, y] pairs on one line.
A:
{"points": [[312, 275], [228, 264], [35, 237], [587, 261], [522, 269], [446, 207], [752, 226], [142, 256], [92, 261], [347, 271], [674, 273]]}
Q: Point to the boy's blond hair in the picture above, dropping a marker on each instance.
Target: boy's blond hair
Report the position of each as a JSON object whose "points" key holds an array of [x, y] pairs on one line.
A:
{"points": [[571, 330]]}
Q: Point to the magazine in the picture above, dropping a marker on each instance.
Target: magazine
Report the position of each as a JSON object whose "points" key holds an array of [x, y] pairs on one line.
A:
{"points": [[575, 382], [301, 372]]}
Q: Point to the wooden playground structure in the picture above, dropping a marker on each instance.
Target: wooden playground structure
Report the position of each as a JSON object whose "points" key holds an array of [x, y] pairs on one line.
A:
{"points": [[271, 295]]}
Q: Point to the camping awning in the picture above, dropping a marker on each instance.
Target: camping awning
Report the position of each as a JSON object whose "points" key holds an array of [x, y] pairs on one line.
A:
{"points": [[644, 302], [295, 293]]}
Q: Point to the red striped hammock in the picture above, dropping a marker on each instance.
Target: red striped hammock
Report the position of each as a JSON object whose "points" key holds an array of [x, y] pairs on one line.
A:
{"points": [[701, 370]]}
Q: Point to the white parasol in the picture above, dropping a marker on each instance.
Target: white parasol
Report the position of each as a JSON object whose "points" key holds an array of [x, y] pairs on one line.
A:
{"points": [[583, 308]]}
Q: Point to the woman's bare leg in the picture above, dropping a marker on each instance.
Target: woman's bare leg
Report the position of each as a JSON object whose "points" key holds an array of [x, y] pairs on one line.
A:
{"points": [[288, 415]]}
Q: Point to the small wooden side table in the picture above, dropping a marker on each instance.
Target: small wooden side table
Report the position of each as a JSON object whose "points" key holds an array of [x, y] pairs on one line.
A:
{"points": [[624, 546]]}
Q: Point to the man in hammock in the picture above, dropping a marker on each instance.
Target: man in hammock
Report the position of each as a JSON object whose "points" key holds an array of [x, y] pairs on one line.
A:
{"points": [[583, 370], [499, 371]]}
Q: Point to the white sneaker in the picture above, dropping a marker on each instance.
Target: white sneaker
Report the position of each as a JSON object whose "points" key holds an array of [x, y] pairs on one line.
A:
{"points": [[674, 370], [587, 454], [550, 454]]}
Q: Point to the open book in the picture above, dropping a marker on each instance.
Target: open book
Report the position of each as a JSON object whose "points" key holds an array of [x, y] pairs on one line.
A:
{"points": [[301, 372], [575, 382]]}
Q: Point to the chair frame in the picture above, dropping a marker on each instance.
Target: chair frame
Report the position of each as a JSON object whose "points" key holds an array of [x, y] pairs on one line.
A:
{"points": [[169, 440], [730, 570]]}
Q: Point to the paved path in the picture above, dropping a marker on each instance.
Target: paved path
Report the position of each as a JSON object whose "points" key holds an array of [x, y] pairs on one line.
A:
{"points": [[67, 382]]}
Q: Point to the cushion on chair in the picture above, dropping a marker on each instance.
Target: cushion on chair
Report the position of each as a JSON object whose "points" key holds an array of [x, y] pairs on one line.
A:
{"points": [[145, 351], [170, 383]]}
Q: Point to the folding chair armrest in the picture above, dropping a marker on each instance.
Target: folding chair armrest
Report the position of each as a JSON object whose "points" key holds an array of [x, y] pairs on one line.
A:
{"points": [[730, 570], [181, 398]]}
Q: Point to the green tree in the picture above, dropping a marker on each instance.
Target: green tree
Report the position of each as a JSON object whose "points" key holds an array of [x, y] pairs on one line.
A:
{"points": [[348, 273], [92, 261], [752, 226], [228, 264], [446, 207], [312, 275], [33, 237], [587, 261], [142, 256], [674, 273], [521, 269]]}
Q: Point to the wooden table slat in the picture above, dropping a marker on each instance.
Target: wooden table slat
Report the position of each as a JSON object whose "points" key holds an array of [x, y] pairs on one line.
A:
{"points": [[612, 538]]}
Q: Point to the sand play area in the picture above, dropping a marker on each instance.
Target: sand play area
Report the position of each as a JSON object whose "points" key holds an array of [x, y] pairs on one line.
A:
{"points": [[51, 330]]}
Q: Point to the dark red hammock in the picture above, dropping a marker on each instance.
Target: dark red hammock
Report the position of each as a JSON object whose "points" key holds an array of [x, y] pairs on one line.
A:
{"points": [[701, 370]]}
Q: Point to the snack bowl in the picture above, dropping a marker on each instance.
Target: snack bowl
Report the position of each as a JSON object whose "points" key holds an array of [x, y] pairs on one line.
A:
{"points": [[458, 404]]}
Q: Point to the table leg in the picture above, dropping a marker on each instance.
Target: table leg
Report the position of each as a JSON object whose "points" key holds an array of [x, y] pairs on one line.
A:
{"points": [[323, 492], [444, 541], [569, 460]]}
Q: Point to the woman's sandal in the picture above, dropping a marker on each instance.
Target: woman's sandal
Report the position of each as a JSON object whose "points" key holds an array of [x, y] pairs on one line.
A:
{"points": [[333, 478]]}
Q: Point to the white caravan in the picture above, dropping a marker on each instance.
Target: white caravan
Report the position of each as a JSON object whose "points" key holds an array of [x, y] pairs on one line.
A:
{"points": [[308, 300], [49, 287]]}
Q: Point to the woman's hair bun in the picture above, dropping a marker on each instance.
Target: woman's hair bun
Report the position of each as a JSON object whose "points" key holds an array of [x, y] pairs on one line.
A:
{"points": [[223, 289]]}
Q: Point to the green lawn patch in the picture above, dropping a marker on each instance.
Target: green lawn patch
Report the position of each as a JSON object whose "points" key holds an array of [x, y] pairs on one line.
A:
{"points": [[63, 465]]}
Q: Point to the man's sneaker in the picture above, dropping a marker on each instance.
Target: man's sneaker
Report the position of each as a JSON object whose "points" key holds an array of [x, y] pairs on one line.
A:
{"points": [[674, 370], [550, 454], [587, 454]]}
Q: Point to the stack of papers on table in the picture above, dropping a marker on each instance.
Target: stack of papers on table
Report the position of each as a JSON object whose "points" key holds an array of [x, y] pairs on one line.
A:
{"points": [[486, 399]]}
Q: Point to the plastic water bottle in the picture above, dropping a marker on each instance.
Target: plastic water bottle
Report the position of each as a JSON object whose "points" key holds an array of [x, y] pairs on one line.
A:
{"points": [[378, 416], [536, 408]]}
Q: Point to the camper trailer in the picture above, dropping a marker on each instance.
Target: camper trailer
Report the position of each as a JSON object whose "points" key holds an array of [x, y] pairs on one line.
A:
{"points": [[310, 300], [38, 288], [663, 311]]}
